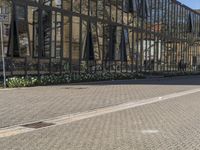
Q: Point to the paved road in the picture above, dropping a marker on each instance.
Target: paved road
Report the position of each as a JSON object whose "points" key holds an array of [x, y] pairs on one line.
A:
{"points": [[173, 123]]}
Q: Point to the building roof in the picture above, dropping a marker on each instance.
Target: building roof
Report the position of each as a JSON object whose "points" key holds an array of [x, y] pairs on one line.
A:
{"points": [[197, 10]]}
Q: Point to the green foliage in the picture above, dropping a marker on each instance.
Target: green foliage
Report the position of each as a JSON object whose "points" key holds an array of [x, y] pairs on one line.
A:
{"points": [[175, 74], [43, 80], [67, 78], [1, 84]]}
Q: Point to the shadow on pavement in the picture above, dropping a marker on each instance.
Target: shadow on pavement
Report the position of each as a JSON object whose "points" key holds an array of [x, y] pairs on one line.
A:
{"points": [[181, 80]]}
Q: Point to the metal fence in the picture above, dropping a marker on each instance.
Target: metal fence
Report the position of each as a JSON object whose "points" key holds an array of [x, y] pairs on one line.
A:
{"points": [[62, 36]]}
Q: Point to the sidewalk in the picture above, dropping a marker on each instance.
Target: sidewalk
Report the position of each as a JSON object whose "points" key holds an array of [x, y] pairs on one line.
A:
{"points": [[24, 105], [167, 125]]}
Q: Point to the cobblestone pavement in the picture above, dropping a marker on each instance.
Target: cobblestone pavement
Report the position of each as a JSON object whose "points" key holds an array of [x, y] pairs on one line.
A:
{"points": [[171, 124], [32, 104]]}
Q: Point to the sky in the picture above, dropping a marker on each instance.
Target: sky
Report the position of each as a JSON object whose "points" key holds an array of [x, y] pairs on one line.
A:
{"points": [[194, 4]]}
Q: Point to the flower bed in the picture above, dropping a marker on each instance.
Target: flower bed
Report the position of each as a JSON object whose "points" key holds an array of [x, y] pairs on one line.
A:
{"points": [[67, 78]]}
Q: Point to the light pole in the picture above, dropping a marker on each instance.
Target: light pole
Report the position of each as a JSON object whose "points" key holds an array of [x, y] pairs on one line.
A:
{"points": [[3, 57], [3, 18]]}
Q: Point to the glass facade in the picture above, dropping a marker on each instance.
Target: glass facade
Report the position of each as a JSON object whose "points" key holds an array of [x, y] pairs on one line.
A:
{"points": [[62, 36]]}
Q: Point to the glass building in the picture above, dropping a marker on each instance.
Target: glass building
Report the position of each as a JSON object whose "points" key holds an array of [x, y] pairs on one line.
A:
{"points": [[62, 36]]}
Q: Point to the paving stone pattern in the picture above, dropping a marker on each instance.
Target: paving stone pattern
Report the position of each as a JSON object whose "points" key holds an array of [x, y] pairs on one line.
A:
{"points": [[19, 106], [169, 125], [172, 124]]}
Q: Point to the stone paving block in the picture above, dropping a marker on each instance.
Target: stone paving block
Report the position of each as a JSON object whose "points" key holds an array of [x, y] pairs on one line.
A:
{"points": [[168, 125], [19, 106]]}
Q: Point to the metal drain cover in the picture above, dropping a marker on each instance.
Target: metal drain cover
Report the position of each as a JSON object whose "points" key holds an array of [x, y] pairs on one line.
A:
{"points": [[76, 88], [37, 125]]}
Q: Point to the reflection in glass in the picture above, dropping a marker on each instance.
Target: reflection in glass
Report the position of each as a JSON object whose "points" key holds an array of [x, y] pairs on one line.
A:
{"points": [[66, 37], [46, 33], [19, 33], [91, 43]]}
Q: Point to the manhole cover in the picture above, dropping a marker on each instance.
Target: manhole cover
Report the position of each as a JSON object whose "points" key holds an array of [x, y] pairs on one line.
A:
{"points": [[75, 88], [38, 125]]}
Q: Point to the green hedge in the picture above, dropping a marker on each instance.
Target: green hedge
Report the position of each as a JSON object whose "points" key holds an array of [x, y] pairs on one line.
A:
{"points": [[76, 78], [175, 74], [67, 78]]}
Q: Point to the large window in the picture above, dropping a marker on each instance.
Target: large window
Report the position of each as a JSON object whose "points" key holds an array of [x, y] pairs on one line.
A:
{"points": [[19, 42]]}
